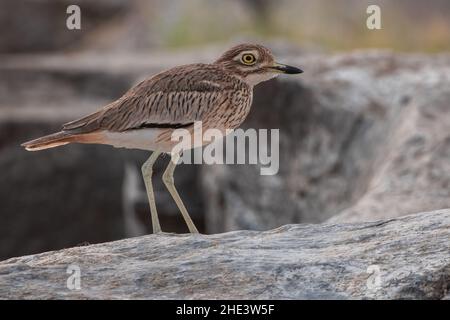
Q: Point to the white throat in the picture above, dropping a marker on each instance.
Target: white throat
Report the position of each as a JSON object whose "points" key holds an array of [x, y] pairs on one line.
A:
{"points": [[254, 79]]}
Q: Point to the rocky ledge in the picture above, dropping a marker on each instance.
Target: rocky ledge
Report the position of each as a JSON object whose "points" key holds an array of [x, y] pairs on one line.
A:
{"points": [[406, 258]]}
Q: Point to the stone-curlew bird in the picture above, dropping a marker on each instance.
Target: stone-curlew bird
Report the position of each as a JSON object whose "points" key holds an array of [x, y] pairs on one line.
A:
{"points": [[217, 94]]}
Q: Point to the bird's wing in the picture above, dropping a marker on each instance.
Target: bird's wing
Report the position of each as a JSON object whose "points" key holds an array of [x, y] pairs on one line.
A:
{"points": [[172, 98]]}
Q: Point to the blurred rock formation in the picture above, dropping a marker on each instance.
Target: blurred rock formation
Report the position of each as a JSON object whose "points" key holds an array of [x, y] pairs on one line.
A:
{"points": [[363, 136]]}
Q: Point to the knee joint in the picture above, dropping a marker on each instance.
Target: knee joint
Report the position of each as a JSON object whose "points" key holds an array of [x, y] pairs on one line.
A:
{"points": [[146, 170], [167, 179]]}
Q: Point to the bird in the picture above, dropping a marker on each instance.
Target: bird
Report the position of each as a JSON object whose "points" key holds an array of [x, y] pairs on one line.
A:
{"points": [[218, 94]]}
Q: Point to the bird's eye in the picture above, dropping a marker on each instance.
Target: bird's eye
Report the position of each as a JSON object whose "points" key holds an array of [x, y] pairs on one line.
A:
{"points": [[248, 59]]}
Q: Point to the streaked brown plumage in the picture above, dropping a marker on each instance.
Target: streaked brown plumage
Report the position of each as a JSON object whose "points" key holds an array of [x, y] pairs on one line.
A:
{"points": [[217, 94]]}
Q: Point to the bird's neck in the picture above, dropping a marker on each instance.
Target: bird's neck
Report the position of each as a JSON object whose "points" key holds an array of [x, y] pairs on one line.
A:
{"points": [[252, 79]]}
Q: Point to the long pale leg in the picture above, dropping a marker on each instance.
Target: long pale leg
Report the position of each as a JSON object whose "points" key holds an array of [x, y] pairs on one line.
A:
{"points": [[169, 182], [147, 172]]}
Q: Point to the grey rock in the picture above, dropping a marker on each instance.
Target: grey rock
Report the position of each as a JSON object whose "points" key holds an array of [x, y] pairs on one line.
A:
{"points": [[403, 258], [76, 194], [363, 136]]}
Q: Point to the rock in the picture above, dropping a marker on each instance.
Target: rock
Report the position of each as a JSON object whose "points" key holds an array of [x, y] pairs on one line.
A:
{"points": [[363, 136], [79, 194], [403, 258], [33, 184]]}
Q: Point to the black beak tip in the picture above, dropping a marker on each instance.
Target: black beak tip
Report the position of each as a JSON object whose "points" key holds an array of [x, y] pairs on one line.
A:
{"points": [[284, 68], [293, 70]]}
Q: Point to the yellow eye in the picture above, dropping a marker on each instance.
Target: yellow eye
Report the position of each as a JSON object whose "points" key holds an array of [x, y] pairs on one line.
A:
{"points": [[248, 59]]}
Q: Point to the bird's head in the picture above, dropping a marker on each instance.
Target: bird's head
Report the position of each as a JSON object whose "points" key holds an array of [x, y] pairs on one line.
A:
{"points": [[253, 63]]}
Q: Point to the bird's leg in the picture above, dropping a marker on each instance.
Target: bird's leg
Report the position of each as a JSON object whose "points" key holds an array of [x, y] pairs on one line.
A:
{"points": [[147, 172], [169, 182]]}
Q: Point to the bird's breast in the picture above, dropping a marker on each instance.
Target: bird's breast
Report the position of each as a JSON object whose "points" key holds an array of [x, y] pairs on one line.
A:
{"points": [[232, 110]]}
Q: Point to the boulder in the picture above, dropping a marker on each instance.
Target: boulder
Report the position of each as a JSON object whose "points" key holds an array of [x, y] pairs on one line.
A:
{"points": [[400, 258], [363, 136], [82, 194]]}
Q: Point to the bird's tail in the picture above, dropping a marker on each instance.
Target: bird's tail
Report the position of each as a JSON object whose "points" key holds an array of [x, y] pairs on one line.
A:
{"points": [[51, 141]]}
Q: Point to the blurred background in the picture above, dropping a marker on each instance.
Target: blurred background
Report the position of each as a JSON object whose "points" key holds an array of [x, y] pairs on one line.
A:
{"points": [[76, 195]]}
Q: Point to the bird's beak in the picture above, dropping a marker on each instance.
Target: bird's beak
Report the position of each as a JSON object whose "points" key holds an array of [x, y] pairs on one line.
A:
{"points": [[283, 68]]}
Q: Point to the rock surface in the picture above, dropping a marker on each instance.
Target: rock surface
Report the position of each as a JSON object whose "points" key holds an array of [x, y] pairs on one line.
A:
{"points": [[404, 258]]}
